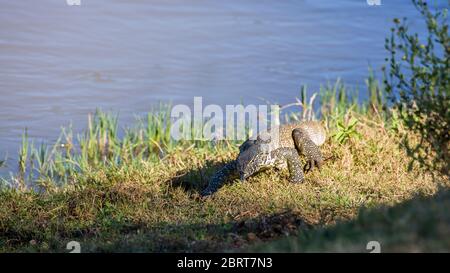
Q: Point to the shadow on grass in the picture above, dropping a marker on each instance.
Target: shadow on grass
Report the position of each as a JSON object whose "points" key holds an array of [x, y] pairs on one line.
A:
{"points": [[229, 236], [195, 180], [421, 224]]}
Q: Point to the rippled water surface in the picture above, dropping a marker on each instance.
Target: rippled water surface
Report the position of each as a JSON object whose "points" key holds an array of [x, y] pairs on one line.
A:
{"points": [[60, 62]]}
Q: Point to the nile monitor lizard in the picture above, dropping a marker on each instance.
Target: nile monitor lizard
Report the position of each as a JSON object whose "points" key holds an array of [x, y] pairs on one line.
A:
{"points": [[265, 152]]}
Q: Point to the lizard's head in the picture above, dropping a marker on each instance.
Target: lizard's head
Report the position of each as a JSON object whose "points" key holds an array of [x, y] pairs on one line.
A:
{"points": [[249, 162]]}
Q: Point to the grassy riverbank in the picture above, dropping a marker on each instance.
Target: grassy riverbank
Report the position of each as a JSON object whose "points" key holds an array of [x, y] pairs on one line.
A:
{"points": [[137, 189]]}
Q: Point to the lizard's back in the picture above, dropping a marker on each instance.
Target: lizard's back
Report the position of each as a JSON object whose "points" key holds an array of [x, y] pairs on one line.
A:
{"points": [[313, 130]]}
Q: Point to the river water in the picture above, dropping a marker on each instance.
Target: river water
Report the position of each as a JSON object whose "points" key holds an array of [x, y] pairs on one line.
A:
{"points": [[59, 62]]}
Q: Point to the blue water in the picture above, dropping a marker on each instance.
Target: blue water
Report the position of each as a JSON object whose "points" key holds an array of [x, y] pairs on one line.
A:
{"points": [[58, 62]]}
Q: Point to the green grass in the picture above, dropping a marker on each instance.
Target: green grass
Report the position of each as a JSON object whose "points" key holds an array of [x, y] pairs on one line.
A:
{"points": [[135, 189]]}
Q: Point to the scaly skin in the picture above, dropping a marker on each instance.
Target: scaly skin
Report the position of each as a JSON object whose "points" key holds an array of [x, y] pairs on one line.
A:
{"points": [[269, 151]]}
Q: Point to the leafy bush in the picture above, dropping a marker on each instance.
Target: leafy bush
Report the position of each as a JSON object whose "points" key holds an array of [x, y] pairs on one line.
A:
{"points": [[418, 83], [346, 131]]}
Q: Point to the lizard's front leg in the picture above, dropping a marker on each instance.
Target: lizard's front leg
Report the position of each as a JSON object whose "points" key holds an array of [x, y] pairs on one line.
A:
{"points": [[307, 147], [290, 155], [227, 171]]}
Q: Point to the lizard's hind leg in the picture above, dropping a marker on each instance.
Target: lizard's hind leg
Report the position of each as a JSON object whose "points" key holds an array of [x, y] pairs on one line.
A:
{"points": [[290, 155], [307, 147], [219, 178]]}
